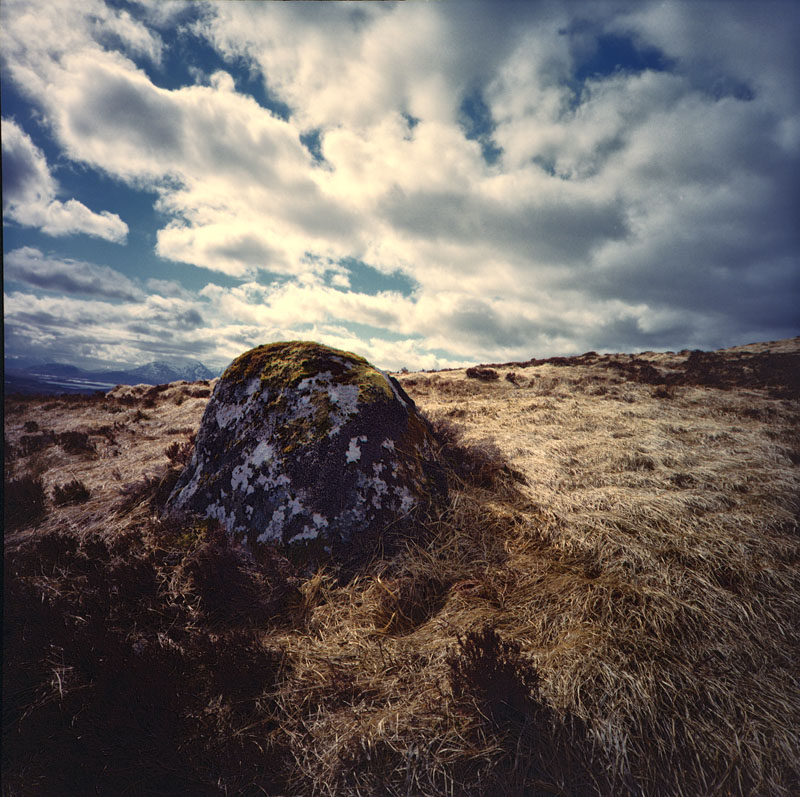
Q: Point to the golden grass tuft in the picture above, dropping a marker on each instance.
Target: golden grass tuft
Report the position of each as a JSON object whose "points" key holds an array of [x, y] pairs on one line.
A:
{"points": [[609, 604]]}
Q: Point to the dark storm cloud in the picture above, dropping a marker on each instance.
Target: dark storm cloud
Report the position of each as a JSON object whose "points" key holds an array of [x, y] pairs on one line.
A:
{"points": [[480, 322], [80, 330]]}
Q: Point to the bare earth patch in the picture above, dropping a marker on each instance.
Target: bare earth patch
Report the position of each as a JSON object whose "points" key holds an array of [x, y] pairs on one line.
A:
{"points": [[609, 605]]}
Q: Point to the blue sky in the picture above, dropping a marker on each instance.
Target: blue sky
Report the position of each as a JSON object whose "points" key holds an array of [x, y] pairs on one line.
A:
{"points": [[427, 184]]}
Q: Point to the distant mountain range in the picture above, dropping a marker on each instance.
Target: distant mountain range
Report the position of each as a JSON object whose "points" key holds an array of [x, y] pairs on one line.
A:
{"points": [[52, 378]]}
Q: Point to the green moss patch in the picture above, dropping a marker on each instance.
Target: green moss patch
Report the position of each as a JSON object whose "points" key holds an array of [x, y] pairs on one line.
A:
{"points": [[302, 431], [284, 365]]}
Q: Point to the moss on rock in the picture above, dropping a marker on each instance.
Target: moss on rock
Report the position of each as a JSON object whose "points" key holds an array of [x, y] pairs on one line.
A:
{"points": [[284, 365]]}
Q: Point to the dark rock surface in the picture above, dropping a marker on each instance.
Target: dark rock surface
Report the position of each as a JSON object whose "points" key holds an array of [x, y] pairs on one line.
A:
{"points": [[309, 446]]}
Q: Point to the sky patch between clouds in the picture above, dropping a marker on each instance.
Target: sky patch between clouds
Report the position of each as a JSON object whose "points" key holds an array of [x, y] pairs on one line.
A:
{"points": [[425, 184]]}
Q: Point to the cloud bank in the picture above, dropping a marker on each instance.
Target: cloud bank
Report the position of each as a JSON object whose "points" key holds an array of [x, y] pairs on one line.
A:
{"points": [[550, 178]]}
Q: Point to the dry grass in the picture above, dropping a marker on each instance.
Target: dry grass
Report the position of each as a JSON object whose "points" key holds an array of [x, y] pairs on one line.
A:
{"points": [[610, 604]]}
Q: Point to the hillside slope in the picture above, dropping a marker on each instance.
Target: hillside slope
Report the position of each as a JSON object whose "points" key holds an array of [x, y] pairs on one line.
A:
{"points": [[610, 604]]}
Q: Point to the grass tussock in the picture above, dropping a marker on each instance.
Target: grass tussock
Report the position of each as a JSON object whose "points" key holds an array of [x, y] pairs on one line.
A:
{"points": [[608, 604], [73, 492], [152, 488], [180, 453]]}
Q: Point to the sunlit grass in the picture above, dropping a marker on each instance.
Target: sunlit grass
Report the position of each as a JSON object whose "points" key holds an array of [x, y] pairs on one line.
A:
{"points": [[608, 605]]}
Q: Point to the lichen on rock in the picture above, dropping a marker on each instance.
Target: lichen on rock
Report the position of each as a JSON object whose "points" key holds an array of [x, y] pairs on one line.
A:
{"points": [[309, 447]]}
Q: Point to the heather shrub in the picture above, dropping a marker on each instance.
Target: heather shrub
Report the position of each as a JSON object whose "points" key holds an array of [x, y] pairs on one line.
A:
{"points": [[107, 431], [153, 393], [73, 492], [152, 489], [15, 406], [24, 502], [489, 675], [180, 453], [488, 670], [664, 391], [486, 374], [125, 400], [683, 480], [404, 603], [31, 443], [109, 675], [224, 581], [75, 442]]}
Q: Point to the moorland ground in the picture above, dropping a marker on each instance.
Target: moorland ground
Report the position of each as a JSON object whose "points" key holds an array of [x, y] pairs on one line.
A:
{"points": [[608, 605]]}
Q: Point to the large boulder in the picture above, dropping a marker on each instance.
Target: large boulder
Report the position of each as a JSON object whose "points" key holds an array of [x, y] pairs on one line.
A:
{"points": [[310, 447]]}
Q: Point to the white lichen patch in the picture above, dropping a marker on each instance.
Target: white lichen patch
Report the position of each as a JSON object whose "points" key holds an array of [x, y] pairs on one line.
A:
{"points": [[394, 389], [217, 512], [381, 489], [226, 413], [264, 452], [308, 533], [407, 500], [191, 488], [345, 397], [242, 474], [353, 453], [311, 383], [240, 477], [342, 400], [274, 528], [281, 480]]}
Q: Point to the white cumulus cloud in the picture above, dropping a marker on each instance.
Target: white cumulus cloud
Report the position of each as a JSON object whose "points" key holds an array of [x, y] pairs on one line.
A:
{"points": [[536, 205], [29, 194]]}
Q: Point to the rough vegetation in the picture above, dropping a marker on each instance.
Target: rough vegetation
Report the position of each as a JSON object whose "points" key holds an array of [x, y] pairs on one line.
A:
{"points": [[486, 374], [608, 604], [73, 492]]}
